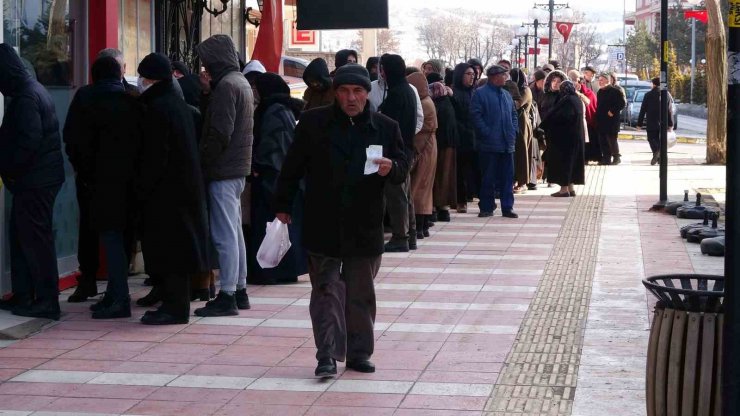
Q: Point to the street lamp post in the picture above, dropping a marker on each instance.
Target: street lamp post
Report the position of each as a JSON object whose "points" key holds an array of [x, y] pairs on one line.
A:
{"points": [[536, 25], [550, 7]]}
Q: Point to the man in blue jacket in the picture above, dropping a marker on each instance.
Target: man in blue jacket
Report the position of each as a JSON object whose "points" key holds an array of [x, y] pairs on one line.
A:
{"points": [[496, 124]]}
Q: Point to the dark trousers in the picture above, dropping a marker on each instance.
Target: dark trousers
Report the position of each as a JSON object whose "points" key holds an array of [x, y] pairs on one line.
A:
{"points": [[400, 208], [653, 137], [467, 176], [609, 145], [33, 258], [497, 173], [175, 294], [87, 243], [343, 305], [115, 254]]}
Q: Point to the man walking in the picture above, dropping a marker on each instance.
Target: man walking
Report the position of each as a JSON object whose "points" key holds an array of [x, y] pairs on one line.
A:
{"points": [[226, 155], [343, 226], [496, 125], [650, 113], [31, 167]]}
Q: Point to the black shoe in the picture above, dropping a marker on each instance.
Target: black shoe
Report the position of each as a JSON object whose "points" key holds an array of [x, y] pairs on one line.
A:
{"points": [[14, 302], [426, 232], [152, 298], [656, 158], [532, 186], [572, 193], [559, 194], [443, 216], [362, 366], [397, 246], [605, 162], [510, 214], [46, 310], [327, 368], [102, 303], [242, 299], [202, 295], [117, 309], [81, 294], [162, 318], [419, 234], [223, 305], [485, 214], [617, 160]]}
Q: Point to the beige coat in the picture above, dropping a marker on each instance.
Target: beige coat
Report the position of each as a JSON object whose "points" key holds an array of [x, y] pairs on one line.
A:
{"points": [[425, 145]]}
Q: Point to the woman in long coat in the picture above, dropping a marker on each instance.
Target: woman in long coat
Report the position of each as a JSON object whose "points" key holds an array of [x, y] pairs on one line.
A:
{"points": [[564, 127], [522, 155], [445, 177], [425, 144], [274, 129]]}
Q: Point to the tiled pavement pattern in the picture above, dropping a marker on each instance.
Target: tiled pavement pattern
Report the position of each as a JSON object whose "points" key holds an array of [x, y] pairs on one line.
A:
{"points": [[540, 374]]}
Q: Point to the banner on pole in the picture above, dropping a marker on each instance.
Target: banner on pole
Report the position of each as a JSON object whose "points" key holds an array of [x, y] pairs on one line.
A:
{"points": [[700, 15], [533, 51], [564, 28]]}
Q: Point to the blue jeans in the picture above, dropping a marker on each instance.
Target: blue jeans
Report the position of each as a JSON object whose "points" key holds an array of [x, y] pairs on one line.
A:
{"points": [[225, 214], [115, 254], [497, 172]]}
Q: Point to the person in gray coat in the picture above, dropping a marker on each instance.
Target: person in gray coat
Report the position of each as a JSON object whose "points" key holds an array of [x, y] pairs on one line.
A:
{"points": [[226, 154]]}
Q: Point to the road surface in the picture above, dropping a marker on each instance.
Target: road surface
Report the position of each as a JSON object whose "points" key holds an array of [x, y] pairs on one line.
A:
{"points": [[691, 125]]}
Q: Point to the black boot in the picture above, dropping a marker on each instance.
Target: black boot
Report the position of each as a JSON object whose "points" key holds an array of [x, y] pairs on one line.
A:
{"points": [[443, 215], [120, 308], [152, 298], [159, 317], [223, 305], [426, 225], [420, 227], [412, 239], [102, 303], [242, 299], [42, 309]]}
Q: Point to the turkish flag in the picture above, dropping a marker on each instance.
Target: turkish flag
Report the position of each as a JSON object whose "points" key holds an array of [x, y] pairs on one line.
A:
{"points": [[564, 28], [544, 41], [700, 15], [268, 48]]}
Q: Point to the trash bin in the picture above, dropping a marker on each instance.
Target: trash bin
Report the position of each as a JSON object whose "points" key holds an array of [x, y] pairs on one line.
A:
{"points": [[685, 349]]}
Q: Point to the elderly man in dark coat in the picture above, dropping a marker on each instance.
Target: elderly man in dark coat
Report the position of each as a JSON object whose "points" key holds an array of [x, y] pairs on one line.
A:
{"points": [[103, 136], [31, 167], [174, 224], [611, 102], [343, 227]]}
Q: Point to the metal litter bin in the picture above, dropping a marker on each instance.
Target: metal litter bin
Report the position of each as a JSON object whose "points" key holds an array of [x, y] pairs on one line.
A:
{"points": [[684, 359]]}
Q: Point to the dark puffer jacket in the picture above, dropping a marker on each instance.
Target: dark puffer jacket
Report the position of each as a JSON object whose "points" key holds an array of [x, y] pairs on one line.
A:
{"points": [[317, 72], [461, 101], [30, 145], [226, 146]]}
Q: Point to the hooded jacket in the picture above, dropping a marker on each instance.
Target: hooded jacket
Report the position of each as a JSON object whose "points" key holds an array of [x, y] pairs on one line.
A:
{"points": [[400, 100], [30, 145], [226, 146], [373, 62], [317, 70], [550, 97], [340, 59], [461, 98], [419, 82], [495, 119]]}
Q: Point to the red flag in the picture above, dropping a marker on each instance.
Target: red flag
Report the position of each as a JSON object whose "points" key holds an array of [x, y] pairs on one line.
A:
{"points": [[700, 15], [268, 48], [544, 41], [533, 51], [564, 28]]}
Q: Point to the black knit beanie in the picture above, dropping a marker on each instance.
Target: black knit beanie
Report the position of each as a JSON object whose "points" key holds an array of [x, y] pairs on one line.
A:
{"points": [[155, 66], [352, 74]]}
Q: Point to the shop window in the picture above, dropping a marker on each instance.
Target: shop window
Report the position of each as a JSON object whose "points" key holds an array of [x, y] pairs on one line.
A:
{"points": [[40, 31], [135, 32]]}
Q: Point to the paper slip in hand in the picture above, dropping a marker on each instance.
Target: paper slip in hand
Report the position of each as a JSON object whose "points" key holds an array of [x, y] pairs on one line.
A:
{"points": [[373, 152]]}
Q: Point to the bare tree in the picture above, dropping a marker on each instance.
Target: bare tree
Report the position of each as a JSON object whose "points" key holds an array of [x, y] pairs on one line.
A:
{"points": [[716, 47], [387, 41]]}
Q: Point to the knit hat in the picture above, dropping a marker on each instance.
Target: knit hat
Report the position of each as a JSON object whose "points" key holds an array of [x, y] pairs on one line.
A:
{"points": [[352, 74], [155, 66], [539, 75], [495, 70]]}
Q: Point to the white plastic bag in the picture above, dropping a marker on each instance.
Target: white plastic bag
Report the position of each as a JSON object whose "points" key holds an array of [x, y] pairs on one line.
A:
{"points": [[274, 246], [672, 139]]}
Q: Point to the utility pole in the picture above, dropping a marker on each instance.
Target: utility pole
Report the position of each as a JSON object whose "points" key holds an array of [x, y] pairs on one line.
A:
{"points": [[536, 46], [663, 199], [551, 7], [693, 58]]}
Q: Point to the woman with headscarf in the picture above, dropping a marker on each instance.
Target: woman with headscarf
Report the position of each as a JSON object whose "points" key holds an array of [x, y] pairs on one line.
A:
{"points": [[425, 145], [522, 155], [565, 132], [547, 103], [274, 128], [319, 92], [589, 103], [445, 177]]}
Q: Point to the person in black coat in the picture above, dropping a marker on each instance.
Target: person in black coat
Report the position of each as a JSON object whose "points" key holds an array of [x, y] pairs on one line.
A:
{"points": [[31, 167], [611, 102], [566, 141], [103, 139], [650, 113], [343, 227], [174, 223], [463, 82], [189, 83], [274, 130], [400, 105]]}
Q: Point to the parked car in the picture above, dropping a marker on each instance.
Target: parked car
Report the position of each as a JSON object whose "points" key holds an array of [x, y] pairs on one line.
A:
{"points": [[630, 88], [633, 109], [297, 86], [626, 77], [294, 67]]}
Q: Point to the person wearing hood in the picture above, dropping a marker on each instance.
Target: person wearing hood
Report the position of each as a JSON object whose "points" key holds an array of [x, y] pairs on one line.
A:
{"points": [[319, 92], [478, 67], [372, 67], [467, 171], [188, 82], [379, 92], [564, 126], [445, 177], [611, 102], [590, 104], [343, 227], [103, 135], [425, 166], [433, 66], [550, 98], [344, 57], [226, 157], [496, 125], [537, 86], [274, 130], [31, 167], [251, 71], [400, 105]]}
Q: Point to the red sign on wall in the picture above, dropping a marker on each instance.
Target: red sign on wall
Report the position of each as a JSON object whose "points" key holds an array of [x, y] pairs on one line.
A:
{"points": [[302, 37]]}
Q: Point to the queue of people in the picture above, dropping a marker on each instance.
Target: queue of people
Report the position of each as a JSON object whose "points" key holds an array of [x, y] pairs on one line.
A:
{"points": [[193, 166]]}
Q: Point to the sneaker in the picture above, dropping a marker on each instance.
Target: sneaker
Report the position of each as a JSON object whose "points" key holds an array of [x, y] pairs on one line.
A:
{"points": [[510, 214], [242, 299], [223, 305]]}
